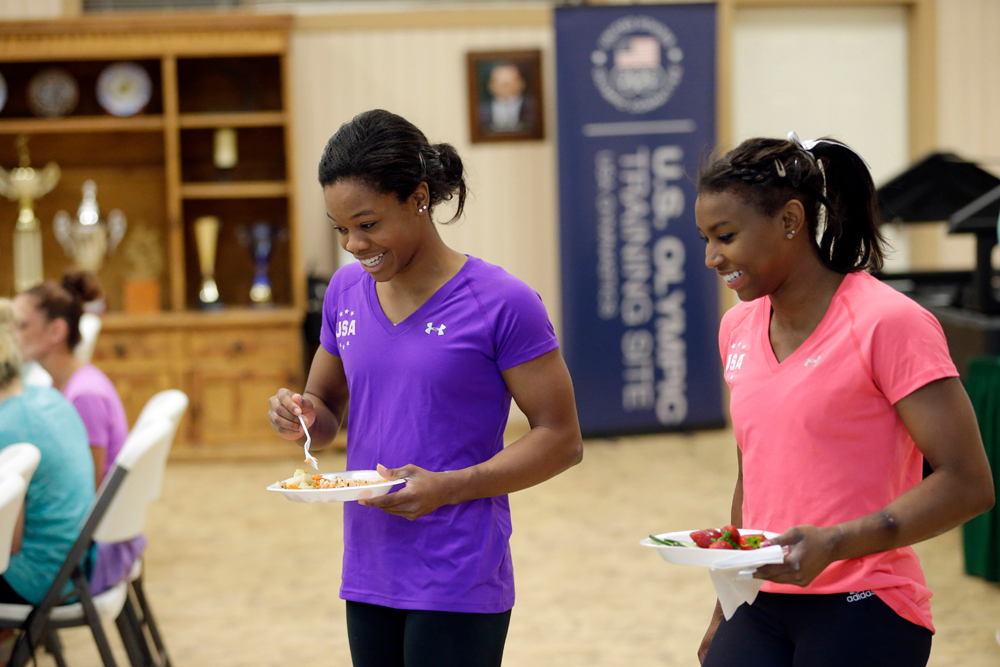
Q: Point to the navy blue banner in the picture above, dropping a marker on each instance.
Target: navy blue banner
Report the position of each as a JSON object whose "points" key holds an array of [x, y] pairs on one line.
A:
{"points": [[636, 94]]}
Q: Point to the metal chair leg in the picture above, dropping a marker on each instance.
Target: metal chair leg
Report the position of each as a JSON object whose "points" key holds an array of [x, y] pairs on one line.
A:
{"points": [[149, 621], [130, 628], [93, 619], [54, 646], [32, 635]]}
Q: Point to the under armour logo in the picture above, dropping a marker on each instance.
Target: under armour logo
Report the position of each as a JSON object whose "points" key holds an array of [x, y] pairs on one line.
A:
{"points": [[814, 362], [431, 327]]}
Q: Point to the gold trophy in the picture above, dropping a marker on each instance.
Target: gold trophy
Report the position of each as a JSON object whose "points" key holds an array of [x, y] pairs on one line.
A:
{"points": [[206, 237], [25, 185], [225, 151], [89, 238]]}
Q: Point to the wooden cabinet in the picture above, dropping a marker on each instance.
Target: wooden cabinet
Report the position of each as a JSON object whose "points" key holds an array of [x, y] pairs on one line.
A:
{"points": [[228, 363], [209, 72]]}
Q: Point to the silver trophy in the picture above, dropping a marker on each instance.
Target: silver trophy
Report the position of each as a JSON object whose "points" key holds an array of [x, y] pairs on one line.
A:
{"points": [[88, 239], [24, 185]]}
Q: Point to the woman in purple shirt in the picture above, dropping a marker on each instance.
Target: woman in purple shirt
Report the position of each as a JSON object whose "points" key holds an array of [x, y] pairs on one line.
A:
{"points": [[430, 345], [48, 330]]}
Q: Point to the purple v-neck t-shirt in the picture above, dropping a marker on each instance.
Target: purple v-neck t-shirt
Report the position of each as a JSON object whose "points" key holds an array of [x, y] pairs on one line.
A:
{"points": [[428, 391]]}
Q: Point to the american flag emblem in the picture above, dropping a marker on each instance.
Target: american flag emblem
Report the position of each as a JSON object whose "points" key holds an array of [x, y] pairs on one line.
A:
{"points": [[641, 52]]}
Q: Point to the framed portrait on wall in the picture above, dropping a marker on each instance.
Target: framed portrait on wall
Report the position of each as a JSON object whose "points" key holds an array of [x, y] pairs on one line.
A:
{"points": [[505, 96]]}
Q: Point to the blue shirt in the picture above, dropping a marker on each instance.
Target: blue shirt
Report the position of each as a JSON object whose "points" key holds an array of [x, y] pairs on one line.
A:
{"points": [[60, 492]]}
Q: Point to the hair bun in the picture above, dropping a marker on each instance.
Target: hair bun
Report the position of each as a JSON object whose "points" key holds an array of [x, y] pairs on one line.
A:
{"points": [[82, 285]]}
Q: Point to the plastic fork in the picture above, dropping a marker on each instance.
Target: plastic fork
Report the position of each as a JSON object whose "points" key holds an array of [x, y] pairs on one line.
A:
{"points": [[311, 460]]}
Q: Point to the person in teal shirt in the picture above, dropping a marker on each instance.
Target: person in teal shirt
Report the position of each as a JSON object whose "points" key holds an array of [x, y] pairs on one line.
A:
{"points": [[62, 489]]}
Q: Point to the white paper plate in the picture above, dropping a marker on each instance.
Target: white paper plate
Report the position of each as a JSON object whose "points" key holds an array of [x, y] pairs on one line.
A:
{"points": [[697, 556], [339, 495]]}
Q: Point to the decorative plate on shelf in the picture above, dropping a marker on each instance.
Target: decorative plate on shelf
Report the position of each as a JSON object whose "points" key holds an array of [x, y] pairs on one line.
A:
{"points": [[124, 89], [52, 93]]}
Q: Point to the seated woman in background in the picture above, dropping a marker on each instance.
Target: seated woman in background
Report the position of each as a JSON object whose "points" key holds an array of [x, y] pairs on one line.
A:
{"points": [[48, 328], [62, 487]]}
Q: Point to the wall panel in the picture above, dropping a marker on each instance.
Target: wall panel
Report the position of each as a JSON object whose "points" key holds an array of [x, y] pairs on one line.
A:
{"points": [[11, 10], [420, 73], [968, 98]]}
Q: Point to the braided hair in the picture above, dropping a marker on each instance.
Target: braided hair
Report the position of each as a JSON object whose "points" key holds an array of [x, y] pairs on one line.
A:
{"points": [[830, 180], [390, 154]]}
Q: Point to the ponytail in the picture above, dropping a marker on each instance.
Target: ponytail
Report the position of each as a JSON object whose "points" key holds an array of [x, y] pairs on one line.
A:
{"points": [[65, 301], [830, 180], [851, 240]]}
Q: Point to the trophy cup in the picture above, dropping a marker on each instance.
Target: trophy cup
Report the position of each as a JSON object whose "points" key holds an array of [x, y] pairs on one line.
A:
{"points": [[25, 185], [225, 151], [260, 237], [206, 237], [88, 239]]}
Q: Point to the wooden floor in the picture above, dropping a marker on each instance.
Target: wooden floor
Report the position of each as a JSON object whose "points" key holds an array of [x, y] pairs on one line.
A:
{"points": [[239, 576]]}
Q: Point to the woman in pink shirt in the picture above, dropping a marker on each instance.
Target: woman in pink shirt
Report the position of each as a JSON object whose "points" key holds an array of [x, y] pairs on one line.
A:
{"points": [[48, 329], [841, 387]]}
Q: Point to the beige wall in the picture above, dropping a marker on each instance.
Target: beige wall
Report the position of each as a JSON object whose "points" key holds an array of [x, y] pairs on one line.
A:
{"points": [[420, 73], [968, 98], [31, 9], [832, 91]]}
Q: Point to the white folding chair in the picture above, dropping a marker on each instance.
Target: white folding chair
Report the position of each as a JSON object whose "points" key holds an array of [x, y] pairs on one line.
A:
{"points": [[117, 514], [18, 461], [90, 328], [170, 404], [12, 490], [21, 458], [33, 375]]}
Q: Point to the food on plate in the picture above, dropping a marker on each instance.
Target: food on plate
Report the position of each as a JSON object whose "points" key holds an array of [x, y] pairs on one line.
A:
{"points": [[728, 537], [748, 542], [301, 480], [704, 538], [672, 543]]}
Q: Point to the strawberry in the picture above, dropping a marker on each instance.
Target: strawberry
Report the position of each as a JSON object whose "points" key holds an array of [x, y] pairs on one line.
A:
{"points": [[721, 544], [704, 538]]}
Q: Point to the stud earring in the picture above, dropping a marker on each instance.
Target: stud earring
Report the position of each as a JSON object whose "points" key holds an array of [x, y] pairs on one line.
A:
{"points": [[790, 234], [422, 208]]}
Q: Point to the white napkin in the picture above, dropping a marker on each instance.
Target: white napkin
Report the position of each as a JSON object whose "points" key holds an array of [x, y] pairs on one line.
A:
{"points": [[733, 577]]}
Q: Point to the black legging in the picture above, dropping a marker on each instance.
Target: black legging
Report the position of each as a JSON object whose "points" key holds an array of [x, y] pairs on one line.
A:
{"points": [[856, 629], [8, 595], [386, 637]]}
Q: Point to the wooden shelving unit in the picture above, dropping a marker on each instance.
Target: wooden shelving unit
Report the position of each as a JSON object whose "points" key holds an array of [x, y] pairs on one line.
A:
{"points": [[209, 72], [248, 190], [152, 123], [238, 119]]}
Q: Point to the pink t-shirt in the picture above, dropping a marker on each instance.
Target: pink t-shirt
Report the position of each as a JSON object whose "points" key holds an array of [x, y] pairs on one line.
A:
{"points": [[96, 399], [820, 438]]}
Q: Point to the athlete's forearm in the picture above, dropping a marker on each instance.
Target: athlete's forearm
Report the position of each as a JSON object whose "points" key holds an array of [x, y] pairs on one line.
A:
{"points": [[944, 500], [943, 425], [539, 455]]}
